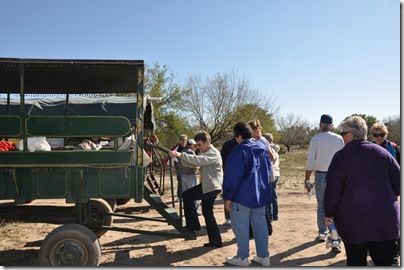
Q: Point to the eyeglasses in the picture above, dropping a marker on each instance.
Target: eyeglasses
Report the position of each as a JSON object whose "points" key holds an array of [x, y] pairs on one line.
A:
{"points": [[344, 133], [381, 135]]}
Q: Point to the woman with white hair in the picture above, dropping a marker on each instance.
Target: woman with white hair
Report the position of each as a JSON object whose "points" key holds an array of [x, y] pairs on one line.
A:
{"points": [[363, 183]]}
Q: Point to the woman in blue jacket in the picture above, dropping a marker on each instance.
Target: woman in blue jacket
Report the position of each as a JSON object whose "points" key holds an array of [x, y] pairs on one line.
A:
{"points": [[247, 191]]}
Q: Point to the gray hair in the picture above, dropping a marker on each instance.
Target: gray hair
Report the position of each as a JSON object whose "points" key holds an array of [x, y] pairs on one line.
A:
{"points": [[357, 126], [326, 126], [268, 136]]}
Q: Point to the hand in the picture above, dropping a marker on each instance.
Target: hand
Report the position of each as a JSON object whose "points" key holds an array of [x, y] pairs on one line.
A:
{"points": [[308, 185], [328, 221], [227, 205], [174, 153]]}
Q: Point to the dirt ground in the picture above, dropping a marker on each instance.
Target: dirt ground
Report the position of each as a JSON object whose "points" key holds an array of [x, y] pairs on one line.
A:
{"points": [[292, 244]]}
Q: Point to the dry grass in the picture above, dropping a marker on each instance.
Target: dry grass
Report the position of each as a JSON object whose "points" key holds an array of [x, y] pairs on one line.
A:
{"points": [[293, 167]]}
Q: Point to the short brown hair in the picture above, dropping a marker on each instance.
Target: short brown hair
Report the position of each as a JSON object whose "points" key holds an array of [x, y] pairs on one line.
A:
{"points": [[202, 136]]}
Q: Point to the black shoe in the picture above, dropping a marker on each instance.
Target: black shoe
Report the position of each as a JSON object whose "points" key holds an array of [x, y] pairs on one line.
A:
{"points": [[218, 244], [192, 232], [275, 219]]}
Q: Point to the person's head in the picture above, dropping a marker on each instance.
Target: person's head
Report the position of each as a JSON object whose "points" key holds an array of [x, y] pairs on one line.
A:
{"points": [[326, 122], [191, 144], [269, 137], [183, 140], [379, 132], [354, 128], [242, 131], [256, 127], [202, 139]]}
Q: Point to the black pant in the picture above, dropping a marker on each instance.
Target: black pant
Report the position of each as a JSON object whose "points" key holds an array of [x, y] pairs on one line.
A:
{"points": [[383, 253], [191, 217]]}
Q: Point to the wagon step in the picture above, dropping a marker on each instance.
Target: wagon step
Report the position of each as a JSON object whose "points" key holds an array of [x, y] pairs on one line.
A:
{"points": [[168, 213], [151, 180]]}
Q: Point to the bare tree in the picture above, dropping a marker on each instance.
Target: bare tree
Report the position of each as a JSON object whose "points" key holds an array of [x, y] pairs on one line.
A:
{"points": [[214, 102], [393, 123], [293, 130]]}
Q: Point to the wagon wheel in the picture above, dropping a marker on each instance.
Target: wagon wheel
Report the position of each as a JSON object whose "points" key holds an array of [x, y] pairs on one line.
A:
{"points": [[98, 216], [70, 245], [122, 201], [112, 203]]}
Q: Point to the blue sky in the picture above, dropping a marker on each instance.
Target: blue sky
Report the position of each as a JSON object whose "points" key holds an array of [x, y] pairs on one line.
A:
{"points": [[315, 56]]}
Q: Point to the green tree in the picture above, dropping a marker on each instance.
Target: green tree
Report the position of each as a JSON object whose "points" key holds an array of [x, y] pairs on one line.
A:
{"points": [[169, 115], [369, 119]]}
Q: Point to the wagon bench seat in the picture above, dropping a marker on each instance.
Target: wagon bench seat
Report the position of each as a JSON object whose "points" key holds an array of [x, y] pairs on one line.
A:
{"points": [[63, 158]]}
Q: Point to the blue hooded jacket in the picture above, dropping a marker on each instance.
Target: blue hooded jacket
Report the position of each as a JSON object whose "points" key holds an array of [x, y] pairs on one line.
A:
{"points": [[247, 175]]}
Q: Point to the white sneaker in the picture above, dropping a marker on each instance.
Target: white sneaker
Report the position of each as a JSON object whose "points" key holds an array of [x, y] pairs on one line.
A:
{"points": [[263, 261], [237, 261], [322, 237], [227, 222]]}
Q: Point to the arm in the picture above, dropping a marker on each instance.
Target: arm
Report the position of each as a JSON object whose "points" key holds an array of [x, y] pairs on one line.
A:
{"points": [[335, 186], [271, 154], [395, 176], [307, 178], [311, 159], [233, 175]]}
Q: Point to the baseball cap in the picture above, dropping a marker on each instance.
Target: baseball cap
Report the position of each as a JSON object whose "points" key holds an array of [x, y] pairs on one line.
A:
{"points": [[191, 141], [326, 119]]}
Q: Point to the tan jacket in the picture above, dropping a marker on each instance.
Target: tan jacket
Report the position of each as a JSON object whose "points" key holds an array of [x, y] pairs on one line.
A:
{"points": [[210, 164]]}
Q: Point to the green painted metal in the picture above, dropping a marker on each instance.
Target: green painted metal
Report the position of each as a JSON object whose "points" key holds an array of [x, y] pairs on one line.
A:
{"points": [[77, 176], [11, 126], [78, 126]]}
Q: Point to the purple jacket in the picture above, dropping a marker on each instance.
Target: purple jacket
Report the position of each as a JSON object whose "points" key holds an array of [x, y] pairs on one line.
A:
{"points": [[363, 182]]}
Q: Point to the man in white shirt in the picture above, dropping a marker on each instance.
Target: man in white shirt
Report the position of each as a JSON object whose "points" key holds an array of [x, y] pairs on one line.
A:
{"points": [[323, 146]]}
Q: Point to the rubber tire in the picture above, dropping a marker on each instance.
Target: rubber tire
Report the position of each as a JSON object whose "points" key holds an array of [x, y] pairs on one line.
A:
{"points": [[97, 207], [77, 238], [112, 203], [122, 201]]}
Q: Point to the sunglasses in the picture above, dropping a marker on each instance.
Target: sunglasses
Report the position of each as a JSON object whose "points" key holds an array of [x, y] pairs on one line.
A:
{"points": [[381, 135], [344, 133]]}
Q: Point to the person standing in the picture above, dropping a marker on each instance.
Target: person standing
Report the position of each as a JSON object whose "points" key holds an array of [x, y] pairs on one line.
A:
{"points": [[274, 175], [210, 164], [379, 133], [189, 179], [363, 183], [256, 127], [227, 147], [323, 146], [247, 193], [179, 147]]}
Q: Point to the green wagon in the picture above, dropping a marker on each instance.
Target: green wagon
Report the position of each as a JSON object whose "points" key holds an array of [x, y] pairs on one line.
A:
{"points": [[93, 180]]}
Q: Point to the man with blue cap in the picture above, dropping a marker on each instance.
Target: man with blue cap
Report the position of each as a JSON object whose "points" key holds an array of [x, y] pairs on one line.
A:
{"points": [[323, 146]]}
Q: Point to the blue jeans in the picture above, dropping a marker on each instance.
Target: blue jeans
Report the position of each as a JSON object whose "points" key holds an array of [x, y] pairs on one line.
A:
{"points": [[320, 186], [274, 204], [241, 217]]}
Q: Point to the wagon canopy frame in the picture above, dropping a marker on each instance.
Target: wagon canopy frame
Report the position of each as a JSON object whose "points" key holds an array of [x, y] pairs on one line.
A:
{"points": [[63, 76]]}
